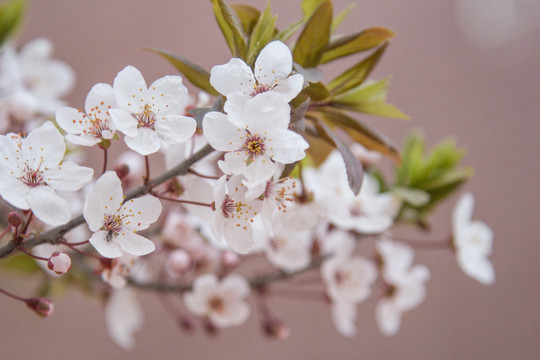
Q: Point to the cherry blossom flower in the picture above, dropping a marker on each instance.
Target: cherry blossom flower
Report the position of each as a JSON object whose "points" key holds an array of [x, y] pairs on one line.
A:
{"points": [[123, 316], [94, 125], [234, 214], [114, 222], [239, 84], [116, 272], [222, 302], [406, 285], [369, 212], [473, 242], [148, 116], [31, 170], [255, 140], [289, 250], [31, 83]]}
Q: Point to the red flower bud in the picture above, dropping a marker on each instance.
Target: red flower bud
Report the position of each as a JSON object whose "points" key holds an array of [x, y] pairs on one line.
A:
{"points": [[41, 306]]}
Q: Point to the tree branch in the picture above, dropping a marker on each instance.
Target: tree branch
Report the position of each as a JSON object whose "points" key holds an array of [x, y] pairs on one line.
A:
{"points": [[53, 236]]}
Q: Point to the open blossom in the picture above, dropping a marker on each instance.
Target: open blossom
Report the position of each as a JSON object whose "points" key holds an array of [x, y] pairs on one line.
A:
{"points": [[369, 212], [406, 285], [94, 125], [473, 242], [222, 302], [148, 116], [256, 140], [289, 250], [234, 214], [239, 84], [31, 170], [114, 222]]}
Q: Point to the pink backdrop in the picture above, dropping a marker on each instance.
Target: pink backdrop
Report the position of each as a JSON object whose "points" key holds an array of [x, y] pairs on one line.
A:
{"points": [[455, 72]]}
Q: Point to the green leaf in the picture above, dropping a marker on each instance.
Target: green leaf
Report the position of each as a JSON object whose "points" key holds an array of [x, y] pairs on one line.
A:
{"points": [[341, 16], [314, 37], [288, 31], [20, 263], [355, 43], [316, 91], [356, 74], [379, 108], [361, 133], [11, 16], [193, 72], [231, 28], [309, 7], [248, 16], [355, 170], [411, 164], [262, 34]]}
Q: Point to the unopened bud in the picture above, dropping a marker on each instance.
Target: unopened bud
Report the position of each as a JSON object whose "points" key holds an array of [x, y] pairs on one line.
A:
{"points": [[210, 328], [59, 262], [187, 324], [230, 259], [179, 261], [276, 329], [41, 306], [14, 218]]}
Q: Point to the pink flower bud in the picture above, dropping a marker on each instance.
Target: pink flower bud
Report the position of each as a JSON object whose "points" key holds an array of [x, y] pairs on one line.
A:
{"points": [[59, 262], [122, 170], [14, 218], [41, 306], [276, 329], [179, 262], [230, 259], [187, 324]]}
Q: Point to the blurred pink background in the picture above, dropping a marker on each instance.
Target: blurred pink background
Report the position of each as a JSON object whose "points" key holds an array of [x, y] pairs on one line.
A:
{"points": [[467, 68]]}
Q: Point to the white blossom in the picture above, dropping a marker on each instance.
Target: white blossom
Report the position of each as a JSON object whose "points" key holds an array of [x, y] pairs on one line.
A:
{"points": [[289, 250], [406, 285], [256, 139], [148, 116], [94, 125], [114, 222], [31, 171], [222, 302], [234, 214], [239, 84], [123, 316], [473, 242]]}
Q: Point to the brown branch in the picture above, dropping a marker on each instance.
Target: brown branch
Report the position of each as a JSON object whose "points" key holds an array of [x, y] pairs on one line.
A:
{"points": [[53, 236]]}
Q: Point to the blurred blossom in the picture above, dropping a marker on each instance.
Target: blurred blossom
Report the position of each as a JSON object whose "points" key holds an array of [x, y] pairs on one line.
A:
{"points": [[124, 316]]}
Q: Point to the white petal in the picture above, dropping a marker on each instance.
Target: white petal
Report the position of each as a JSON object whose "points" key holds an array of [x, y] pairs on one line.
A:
{"points": [[234, 163], [236, 314], [239, 235], [48, 206], [104, 198], [274, 63], [124, 121], [175, 129], [71, 120], [14, 192], [462, 213], [196, 301], [145, 143], [82, 140], [234, 106], [265, 112], [476, 266], [388, 317], [68, 177], [124, 316], [130, 89], [235, 76], [344, 317], [290, 87], [100, 100], [287, 146], [108, 249], [260, 170], [144, 211], [235, 285], [44, 145], [221, 134], [134, 244], [167, 96]]}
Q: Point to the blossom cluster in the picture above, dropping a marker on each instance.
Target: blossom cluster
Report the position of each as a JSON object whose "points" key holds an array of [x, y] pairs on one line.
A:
{"points": [[249, 198]]}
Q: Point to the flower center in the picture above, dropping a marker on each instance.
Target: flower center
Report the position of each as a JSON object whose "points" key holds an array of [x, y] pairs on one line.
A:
{"points": [[32, 177], [216, 304], [147, 118], [113, 225], [282, 191], [253, 146], [261, 88], [341, 276], [231, 208]]}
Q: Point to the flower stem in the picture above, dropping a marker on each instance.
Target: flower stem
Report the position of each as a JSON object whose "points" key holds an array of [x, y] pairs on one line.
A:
{"points": [[28, 220], [104, 161], [191, 171], [180, 200], [32, 255], [147, 167], [13, 296]]}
